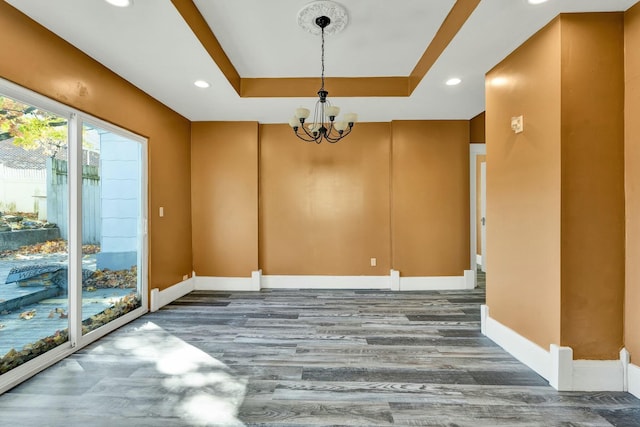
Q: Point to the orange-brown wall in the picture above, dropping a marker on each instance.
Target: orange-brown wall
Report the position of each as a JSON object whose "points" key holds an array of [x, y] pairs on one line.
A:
{"points": [[41, 61], [224, 194], [398, 188], [555, 191], [592, 133], [430, 197], [325, 208], [523, 189], [632, 182], [477, 129]]}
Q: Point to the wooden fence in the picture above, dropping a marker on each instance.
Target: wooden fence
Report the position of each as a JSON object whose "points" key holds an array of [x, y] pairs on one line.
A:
{"points": [[58, 196]]}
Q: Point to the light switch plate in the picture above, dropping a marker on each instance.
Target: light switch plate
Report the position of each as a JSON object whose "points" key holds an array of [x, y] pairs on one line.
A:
{"points": [[517, 124]]}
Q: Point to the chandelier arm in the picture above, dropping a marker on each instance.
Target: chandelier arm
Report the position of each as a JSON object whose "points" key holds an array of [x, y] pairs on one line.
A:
{"points": [[344, 133], [332, 136], [301, 136], [335, 138], [312, 138]]}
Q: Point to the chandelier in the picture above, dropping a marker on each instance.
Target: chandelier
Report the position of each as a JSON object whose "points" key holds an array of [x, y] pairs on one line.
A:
{"points": [[324, 125]]}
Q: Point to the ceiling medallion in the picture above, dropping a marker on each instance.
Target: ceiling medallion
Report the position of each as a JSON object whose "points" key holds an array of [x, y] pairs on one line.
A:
{"points": [[332, 10]]}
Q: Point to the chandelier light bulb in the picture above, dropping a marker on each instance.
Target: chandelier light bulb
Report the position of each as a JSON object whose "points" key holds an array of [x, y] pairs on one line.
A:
{"points": [[294, 122], [332, 111], [340, 126], [351, 118], [302, 113]]}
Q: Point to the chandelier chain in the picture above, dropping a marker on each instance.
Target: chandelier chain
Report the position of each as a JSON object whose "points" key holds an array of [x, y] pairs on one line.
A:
{"points": [[322, 61]]}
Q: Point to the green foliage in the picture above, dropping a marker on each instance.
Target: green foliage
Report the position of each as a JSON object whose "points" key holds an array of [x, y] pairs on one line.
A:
{"points": [[30, 127]]}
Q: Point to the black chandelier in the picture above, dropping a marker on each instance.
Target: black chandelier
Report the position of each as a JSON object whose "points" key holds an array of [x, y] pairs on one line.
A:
{"points": [[324, 125]]}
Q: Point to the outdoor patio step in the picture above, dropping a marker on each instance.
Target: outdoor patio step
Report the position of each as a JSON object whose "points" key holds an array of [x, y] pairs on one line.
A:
{"points": [[37, 295]]}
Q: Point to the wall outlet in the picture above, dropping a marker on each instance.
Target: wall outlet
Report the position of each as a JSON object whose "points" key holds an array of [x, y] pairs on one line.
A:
{"points": [[374, 262], [161, 211], [185, 277]]}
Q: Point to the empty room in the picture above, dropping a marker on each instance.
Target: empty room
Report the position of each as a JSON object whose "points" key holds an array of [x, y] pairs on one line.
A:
{"points": [[320, 213]]}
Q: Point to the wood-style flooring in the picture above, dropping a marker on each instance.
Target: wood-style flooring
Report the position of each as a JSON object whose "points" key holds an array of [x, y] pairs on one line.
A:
{"points": [[305, 358]]}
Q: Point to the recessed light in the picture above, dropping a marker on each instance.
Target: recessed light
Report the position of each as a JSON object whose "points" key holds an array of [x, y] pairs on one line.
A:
{"points": [[536, 1], [201, 84], [454, 81], [120, 3]]}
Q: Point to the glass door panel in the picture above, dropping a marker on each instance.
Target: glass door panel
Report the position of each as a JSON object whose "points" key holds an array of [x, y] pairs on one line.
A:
{"points": [[112, 232], [34, 212]]}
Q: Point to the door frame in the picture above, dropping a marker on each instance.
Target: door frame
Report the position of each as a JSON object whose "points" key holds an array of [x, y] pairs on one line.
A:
{"points": [[483, 215], [475, 150]]}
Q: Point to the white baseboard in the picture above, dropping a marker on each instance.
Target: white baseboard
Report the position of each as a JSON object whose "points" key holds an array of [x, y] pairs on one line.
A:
{"points": [[394, 276], [160, 298], [557, 365], [326, 282], [521, 348], [248, 284], [438, 283], [394, 282], [598, 375], [561, 370], [634, 380], [470, 279]]}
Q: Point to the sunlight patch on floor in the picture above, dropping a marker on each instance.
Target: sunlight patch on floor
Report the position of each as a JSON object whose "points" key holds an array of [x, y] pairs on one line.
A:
{"points": [[205, 391]]}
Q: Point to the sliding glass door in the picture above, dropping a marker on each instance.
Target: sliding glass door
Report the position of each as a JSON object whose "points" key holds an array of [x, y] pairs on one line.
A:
{"points": [[112, 226], [34, 209], [72, 230]]}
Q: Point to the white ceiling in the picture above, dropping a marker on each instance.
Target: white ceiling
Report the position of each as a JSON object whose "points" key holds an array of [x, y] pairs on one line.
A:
{"points": [[150, 45]]}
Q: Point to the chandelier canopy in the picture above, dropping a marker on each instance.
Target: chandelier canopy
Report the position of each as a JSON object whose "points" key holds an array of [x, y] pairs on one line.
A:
{"points": [[324, 124]]}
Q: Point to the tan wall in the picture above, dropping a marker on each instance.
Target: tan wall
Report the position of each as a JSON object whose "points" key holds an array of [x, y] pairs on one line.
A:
{"points": [[477, 133], [39, 60], [224, 193], [555, 192], [523, 189], [430, 197], [325, 208], [592, 184], [632, 182]]}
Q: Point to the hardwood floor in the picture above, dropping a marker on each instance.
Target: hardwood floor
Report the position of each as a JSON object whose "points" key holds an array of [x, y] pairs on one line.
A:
{"points": [[305, 358]]}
